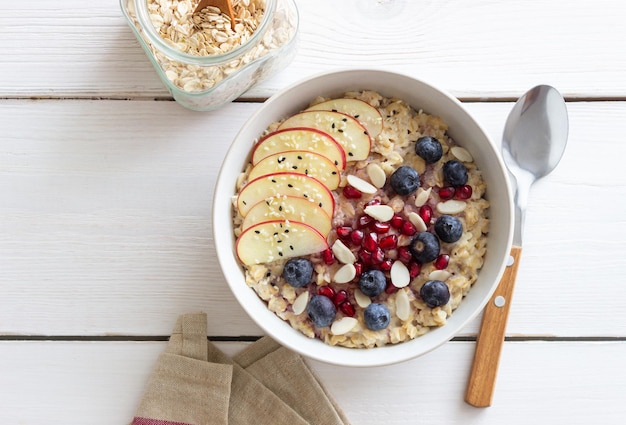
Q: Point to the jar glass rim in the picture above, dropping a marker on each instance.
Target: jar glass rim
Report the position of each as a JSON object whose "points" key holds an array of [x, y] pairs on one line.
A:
{"points": [[143, 16]]}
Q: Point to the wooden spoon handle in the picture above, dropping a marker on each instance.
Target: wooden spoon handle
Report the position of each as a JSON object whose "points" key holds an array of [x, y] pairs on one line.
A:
{"points": [[490, 339]]}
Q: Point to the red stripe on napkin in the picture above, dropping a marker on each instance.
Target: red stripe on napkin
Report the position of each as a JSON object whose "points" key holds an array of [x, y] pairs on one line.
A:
{"points": [[151, 421]]}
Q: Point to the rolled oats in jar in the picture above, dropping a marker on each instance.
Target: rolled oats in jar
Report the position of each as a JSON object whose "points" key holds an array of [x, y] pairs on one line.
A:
{"points": [[203, 60]]}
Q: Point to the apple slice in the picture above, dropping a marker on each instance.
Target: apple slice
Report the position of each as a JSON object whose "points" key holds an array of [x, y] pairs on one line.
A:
{"points": [[365, 113], [285, 184], [300, 139], [289, 208], [273, 240], [350, 134], [301, 162]]}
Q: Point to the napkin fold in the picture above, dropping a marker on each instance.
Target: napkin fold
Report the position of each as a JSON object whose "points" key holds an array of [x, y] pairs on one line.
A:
{"points": [[194, 383]]}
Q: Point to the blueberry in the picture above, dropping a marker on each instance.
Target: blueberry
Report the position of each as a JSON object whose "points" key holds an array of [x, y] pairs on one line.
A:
{"points": [[405, 180], [429, 149], [372, 283], [298, 272], [435, 293], [448, 228], [424, 247], [376, 316], [321, 310], [455, 173]]}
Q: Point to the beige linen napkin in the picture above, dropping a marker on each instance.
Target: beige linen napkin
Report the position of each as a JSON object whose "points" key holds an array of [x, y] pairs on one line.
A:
{"points": [[193, 383]]}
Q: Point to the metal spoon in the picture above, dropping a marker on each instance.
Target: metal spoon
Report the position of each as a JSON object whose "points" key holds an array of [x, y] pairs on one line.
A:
{"points": [[533, 143]]}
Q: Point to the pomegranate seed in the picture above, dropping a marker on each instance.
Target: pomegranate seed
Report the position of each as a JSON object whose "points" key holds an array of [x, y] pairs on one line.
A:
{"points": [[359, 269], [464, 192], [347, 308], [344, 232], [446, 193], [390, 288], [356, 237], [442, 261], [364, 221], [408, 229], [378, 256], [388, 242], [386, 265], [370, 241], [351, 193], [340, 297], [375, 201], [380, 227], [426, 213], [404, 254], [328, 256], [365, 257], [327, 291], [396, 221], [414, 269]]}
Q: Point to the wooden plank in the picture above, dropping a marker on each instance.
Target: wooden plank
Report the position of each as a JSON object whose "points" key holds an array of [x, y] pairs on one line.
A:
{"points": [[68, 383], [108, 231], [480, 49]]}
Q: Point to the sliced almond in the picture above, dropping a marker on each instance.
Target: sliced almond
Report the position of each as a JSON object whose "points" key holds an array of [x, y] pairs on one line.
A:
{"points": [[441, 275], [403, 305], [361, 185], [343, 325], [400, 276], [417, 221], [377, 175], [461, 154], [422, 196], [343, 253], [362, 300], [452, 206], [299, 305], [345, 274], [379, 212]]}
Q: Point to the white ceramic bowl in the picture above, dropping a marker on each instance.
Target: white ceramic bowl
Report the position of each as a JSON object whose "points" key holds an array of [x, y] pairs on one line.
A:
{"points": [[462, 127]]}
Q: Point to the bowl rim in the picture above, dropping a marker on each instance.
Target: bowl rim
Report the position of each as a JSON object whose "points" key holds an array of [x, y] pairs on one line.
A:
{"points": [[281, 330]]}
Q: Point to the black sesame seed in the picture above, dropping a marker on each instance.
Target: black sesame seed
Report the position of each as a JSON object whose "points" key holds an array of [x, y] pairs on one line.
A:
{"points": [[340, 130], [289, 185]]}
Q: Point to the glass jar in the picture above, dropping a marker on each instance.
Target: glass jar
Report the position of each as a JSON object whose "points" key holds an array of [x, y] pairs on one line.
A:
{"points": [[206, 82]]}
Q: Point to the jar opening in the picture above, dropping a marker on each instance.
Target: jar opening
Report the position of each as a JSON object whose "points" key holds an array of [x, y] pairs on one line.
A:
{"points": [[145, 20]]}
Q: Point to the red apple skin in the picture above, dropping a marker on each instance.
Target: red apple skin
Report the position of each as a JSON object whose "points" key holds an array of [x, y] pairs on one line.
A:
{"points": [[300, 138], [270, 241]]}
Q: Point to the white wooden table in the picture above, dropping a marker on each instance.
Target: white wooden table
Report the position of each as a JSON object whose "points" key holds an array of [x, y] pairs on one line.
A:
{"points": [[106, 189]]}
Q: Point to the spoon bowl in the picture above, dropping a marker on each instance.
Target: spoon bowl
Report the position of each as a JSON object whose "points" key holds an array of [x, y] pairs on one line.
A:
{"points": [[533, 142]]}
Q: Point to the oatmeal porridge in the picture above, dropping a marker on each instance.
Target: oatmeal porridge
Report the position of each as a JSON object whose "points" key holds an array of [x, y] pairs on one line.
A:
{"points": [[360, 221]]}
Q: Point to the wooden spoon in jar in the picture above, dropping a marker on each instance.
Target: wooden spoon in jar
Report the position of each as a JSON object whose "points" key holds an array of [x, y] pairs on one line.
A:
{"points": [[223, 5]]}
